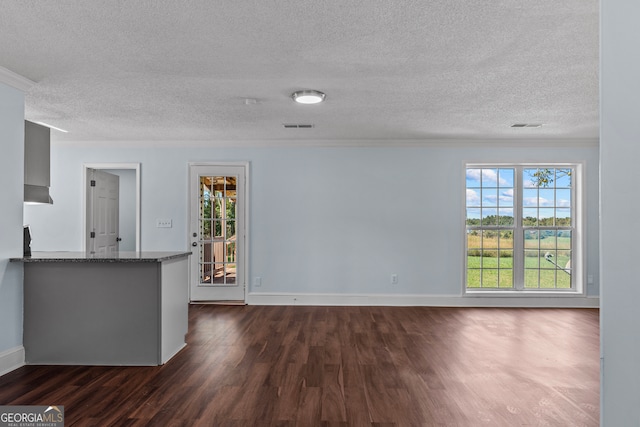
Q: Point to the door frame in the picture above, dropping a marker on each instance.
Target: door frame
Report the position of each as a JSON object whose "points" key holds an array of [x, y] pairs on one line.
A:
{"points": [[106, 167], [245, 247]]}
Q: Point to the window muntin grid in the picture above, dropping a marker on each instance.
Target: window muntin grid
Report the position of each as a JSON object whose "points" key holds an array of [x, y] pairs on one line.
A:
{"points": [[519, 228], [490, 227], [217, 222], [547, 227]]}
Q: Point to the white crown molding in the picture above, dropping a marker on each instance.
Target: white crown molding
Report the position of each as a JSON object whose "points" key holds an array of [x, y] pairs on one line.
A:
{"points": [[15, 80], [400, 143]]}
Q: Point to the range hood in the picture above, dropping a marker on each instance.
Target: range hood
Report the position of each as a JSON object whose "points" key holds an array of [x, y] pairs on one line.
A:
{"points": [[37, 150]]}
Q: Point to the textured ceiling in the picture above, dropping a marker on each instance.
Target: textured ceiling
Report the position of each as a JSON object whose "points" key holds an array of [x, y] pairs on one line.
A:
{"points": [[391, 69]]}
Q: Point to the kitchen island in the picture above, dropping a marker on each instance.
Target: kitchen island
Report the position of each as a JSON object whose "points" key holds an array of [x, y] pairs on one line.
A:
{"points": [[127, 308]]}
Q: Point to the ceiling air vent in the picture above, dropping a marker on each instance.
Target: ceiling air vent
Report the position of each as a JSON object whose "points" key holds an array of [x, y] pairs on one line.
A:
{"points": [[526, 125], [297, 126]]}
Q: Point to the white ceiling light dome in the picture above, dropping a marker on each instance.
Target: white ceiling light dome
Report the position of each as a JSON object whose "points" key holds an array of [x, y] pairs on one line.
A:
{"points": [[308, 96]]}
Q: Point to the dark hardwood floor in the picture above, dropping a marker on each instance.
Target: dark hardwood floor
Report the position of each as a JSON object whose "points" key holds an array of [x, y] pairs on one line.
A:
{"points": [[343, 366]]}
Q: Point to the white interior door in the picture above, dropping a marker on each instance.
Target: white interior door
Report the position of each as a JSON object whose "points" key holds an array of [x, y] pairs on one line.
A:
{"points": [[102, 212], [217, 232]]}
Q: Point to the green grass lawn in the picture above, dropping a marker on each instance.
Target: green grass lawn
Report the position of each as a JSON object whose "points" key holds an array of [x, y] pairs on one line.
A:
{"points": [[492, 272]]}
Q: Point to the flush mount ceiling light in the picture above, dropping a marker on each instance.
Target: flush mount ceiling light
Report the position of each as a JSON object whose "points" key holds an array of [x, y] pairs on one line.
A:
{"points": [[308, 96]]}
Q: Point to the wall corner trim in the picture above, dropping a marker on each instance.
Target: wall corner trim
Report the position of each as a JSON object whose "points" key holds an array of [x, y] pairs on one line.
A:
{"points": [[15, 80], [11, 359]]}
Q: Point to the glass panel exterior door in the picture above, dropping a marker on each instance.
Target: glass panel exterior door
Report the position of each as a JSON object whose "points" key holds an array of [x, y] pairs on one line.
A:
{"points": [[217, 232]]}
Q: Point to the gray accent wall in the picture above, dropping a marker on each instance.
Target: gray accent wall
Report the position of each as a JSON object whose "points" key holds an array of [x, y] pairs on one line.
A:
{"points": [[11, 215], [620, 205]]}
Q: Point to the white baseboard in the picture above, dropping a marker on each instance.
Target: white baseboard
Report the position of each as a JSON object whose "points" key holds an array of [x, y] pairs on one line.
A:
{"points": [[259, 298], [11, 359]]}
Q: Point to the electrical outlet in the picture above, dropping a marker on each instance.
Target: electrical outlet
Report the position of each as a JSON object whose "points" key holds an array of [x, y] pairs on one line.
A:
{"points": [[163, 223], [257, 282], [394, 279]]}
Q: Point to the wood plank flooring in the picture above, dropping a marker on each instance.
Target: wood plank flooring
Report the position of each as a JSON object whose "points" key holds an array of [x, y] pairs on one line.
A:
{"points": [[343, 366]]}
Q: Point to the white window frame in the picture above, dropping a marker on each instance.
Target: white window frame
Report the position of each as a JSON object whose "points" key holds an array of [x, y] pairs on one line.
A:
{"points": [[579, 221]]}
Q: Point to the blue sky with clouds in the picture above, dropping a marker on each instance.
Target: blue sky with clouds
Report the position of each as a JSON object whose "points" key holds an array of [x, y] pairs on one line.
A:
{"points": [[493, 190]]}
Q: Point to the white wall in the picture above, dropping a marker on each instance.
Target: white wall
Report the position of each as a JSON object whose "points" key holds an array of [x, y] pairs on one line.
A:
{"points": [[11, 196], [620, 204], [323, 220]]}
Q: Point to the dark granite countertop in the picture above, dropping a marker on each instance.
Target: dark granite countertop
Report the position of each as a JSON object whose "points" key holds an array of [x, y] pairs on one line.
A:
{"points": [[83, 257]]}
